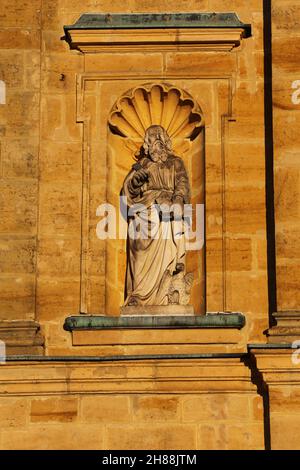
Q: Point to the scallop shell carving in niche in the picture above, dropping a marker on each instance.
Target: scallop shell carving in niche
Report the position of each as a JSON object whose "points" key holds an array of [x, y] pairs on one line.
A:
{"points": [[162, 104]]}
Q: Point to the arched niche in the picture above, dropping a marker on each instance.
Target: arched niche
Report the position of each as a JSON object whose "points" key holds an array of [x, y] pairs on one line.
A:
{"points": [[137, 109]]}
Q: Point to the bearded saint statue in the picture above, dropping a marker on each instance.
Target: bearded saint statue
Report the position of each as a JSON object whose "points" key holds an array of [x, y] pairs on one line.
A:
{"points": [[156, 190]]}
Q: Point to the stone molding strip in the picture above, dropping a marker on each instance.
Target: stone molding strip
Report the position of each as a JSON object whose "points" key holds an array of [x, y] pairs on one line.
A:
{"points": [[113, 32]]}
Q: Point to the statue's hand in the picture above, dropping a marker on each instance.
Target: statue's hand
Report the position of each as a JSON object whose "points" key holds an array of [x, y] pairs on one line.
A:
{"points": [[139, 178]]}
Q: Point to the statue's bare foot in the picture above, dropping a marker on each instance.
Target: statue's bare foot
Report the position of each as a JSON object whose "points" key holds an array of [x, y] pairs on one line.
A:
{"points": [[133, 302], [178, 268]]}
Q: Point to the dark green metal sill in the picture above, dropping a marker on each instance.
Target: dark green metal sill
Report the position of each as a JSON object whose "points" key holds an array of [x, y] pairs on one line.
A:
{"points": [[144, 357], [270, 346], [101, 322]]}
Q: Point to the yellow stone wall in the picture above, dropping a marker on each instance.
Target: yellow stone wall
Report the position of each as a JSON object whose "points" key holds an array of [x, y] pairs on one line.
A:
{"points": [[285, 19], [122, 407], [43, 142], [40, 238]]}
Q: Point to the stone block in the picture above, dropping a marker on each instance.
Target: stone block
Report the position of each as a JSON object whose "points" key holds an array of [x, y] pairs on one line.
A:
{"points": [[19, 158], [288, 293], [155, 408], [245, 161], [105, 409], [154, 310], [285, 431], [32, 70], [59, 257], [286, 136], [62, 436], [257, 408], [56, 338], [260, 260], [245, 209], [96, 294], [211, 436], [13, 412], [17, 255], [52, 117], [287, 242], [217, 64], [249, 99], [59, 72], [12, 68], [20, 14], [215, 407], [249, 436], [52, 42], [58, 409], [214, 291], [285, 51], [287, 197], [247, 129], [58, 120], [22, 114], [149, 6], [161, 337], [282, 95], [204, 407], [285, 17], [18, 204], [22, 39], [117, 63], [73, 128], [285, 400], [160, 437], [251, 66], [60, 161], [17, 297], [57, 297], [96, 262], [60, 206], [240, 254], [249, 293]]}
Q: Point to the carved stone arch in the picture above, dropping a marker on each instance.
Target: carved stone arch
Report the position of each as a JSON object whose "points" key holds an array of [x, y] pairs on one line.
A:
{"points": [[133, 112]]}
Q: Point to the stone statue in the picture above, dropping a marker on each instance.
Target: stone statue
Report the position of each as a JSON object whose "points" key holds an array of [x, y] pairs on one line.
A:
{"points": [[156, 189]]}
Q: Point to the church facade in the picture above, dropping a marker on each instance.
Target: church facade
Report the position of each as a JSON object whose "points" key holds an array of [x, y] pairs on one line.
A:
{"points": [[150, 229]]}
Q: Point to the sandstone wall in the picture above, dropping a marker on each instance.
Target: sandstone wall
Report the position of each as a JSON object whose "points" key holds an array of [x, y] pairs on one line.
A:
{"points": [[42, 165], [40, 236], [121, 407], [286, 114]]}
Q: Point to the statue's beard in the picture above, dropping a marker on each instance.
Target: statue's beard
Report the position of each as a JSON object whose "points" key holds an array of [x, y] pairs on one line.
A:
{"points": [[157, 152]]}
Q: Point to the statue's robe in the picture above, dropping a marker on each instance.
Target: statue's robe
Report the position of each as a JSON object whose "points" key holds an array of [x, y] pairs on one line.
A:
{"points": [[159, 245]]}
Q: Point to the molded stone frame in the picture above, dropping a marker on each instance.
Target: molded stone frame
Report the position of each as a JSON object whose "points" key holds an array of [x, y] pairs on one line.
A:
{"points": [[210, 80], [176, 110]]}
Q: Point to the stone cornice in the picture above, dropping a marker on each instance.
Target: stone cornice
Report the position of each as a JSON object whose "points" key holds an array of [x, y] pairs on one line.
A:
{"points": [[279, 364], [287, 328], [22, 337], [163, 32], [180, 376]]}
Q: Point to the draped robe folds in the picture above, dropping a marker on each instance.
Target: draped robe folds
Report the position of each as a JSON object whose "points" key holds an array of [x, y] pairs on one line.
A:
{"points": [[154, 251]]}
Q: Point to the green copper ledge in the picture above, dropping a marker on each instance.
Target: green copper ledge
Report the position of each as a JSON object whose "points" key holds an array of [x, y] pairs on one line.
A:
{"points": [[101, 322], [154, 20]]}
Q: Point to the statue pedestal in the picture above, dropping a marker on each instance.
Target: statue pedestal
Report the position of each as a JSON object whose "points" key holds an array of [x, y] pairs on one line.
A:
{"points": [[158, 310]]}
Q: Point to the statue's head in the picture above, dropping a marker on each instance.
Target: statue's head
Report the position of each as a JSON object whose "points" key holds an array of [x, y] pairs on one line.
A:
{"points": [[157, 144]]}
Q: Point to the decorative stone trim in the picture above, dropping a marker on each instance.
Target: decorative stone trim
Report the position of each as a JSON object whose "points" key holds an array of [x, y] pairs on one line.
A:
{"points": [[287, 328], [81, 375], [194, 31], [22, 337]]}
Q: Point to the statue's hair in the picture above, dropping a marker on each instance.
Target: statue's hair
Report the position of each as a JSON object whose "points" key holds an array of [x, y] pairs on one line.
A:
{"points": [[161, 134]]}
